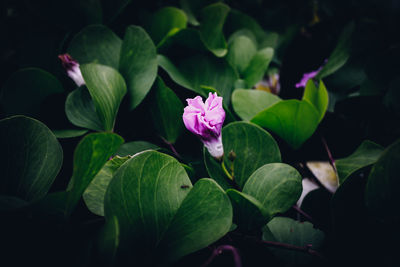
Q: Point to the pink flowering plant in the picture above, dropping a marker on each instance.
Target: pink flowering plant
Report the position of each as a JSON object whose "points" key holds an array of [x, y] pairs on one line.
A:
{"points": [[198, 136], [205, 120]]}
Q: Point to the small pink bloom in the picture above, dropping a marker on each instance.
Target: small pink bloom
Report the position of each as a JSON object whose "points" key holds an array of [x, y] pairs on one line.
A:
{"points": [[72, 68], [306, 77], [309, 75], [205, 120]]}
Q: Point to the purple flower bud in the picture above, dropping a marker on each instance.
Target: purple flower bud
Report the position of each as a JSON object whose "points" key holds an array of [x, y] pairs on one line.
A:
{"points": [[205, 120], [309, 75], [72, 68], [306, 77]]}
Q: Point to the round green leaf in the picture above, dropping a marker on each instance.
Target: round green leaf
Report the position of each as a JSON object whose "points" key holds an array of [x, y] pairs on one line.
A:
{"points": [[144, 195], [96, 44], [366, 154], [165, 21], [107, 88], [80, 110], [138, 63], [382, 195], [288, 231], [277, 186], [166, 111], [212, 21], [253, 146], [95, 192], [293, 120], [248, 103], [30, 160], [25, 91], [152, 198], [90, 155]]}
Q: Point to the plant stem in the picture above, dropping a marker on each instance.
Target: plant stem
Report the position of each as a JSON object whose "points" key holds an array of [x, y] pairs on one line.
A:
{"points": [[305, 249], [219, 250], [300, 211], [331, 159], [171, 146], [225, 170]]}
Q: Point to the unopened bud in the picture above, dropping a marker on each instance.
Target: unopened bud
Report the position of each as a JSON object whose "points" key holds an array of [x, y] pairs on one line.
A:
{"points": [[232, 155]]}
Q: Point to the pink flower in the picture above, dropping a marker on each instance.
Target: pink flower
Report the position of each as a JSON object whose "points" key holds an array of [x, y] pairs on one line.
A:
{"points": [[205, 120], [309, 75], [72, 68], [306, 77]]}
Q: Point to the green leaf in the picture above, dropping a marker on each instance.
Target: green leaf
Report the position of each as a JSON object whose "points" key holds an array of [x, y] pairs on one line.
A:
{"points": [[202, 70], [206, 213], [174, 72], [107, 88], [131, 148], [165, 21], [241, 50], [90, 155], [25, 91], [191, 8], [30, 160], [166, 111], [237, 20], [292, 120], [109, 242], [277, 186], [248, 212], [186, 6], [80, 110], [152, 197], [340, 54], [138, 64], [288, 231], [382, 195], [212, 22], [248, 103], [185, 38], [258, 66], [95, 192], [113, 8], [318, 97], [69, 133], [366, 154], [253, 146], [8, 203], [96, 44]]}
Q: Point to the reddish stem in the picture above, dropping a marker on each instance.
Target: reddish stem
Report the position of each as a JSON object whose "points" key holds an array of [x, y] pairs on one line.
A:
{"points": [[223, 248], [331, 159]]}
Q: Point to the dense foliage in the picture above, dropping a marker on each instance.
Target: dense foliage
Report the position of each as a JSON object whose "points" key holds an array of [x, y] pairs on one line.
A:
{"points": [[99, 170]]}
